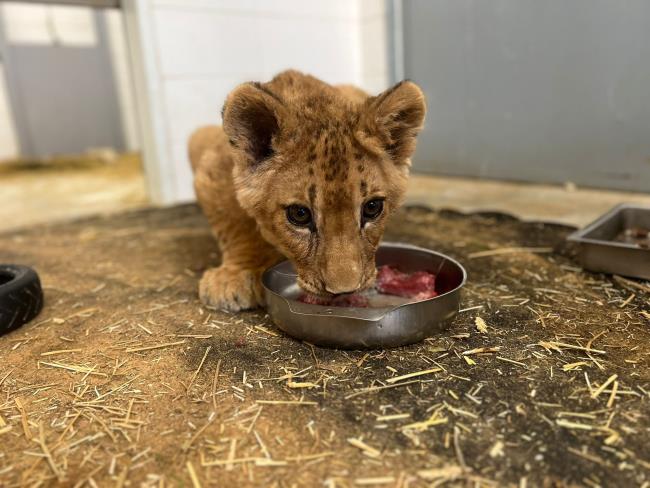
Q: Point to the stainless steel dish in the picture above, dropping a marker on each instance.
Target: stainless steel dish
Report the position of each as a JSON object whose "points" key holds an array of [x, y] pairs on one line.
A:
{"points": [[599, 250], [355, 328]]}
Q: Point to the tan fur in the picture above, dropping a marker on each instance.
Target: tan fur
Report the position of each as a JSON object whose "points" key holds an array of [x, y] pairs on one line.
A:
{"points": [[297, 140]]}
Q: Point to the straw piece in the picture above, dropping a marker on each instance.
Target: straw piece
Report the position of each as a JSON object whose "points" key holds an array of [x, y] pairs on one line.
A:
{"points": [[447, 473], [60, 351], [232, 462], [231, 454], [634, 284], [612, 395], [481, 350], [157, 346], [196, 373], [373, 389], [310, 457], [266, 331], [602, 387], [509, 250], [195, 479], [214, 385], [189, 443], [457, 449], [508, 360], [627, 302], [574, 366], [397, 416], [481, 326], [558, 345], [285, 402], [23, 418], [435, 419], [367, 450], [269, 462], [395, 379], [378, 480], [573, 425], [47, 453], [73, 367]]}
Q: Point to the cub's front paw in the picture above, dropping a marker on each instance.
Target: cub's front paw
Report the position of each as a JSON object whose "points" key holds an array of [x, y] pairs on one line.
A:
{"points": [[231, 288]]}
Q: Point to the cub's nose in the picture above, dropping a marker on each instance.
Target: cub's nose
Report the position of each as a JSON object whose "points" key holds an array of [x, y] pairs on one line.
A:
{"points": [[342, 279]]}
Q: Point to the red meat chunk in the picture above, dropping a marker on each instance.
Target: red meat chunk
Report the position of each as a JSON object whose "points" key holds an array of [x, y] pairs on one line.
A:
{"points": [[351, 300], [313, 299], [390, 281], [419, 285]]}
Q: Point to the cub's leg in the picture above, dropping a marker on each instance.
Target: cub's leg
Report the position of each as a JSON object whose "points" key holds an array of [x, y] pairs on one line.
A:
{"points": [[236, 284]]}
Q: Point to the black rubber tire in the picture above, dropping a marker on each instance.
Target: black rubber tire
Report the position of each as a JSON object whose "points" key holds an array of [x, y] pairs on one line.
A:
{"points": [[21, 296]]}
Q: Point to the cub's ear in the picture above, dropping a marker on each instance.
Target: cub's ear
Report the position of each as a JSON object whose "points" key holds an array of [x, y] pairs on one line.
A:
{"points": [[251, 119], [395, 117]]}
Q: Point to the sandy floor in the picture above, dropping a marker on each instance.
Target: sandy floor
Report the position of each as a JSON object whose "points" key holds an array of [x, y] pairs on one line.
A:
{"points": [[65, 192], [126, 380]]}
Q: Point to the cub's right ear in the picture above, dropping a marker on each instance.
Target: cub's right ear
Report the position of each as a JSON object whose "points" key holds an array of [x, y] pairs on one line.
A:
{"points": [[395, 117], [251, 120]]}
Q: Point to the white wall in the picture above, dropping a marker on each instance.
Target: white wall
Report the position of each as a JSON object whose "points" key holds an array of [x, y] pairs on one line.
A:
{"points": [[8, 141], [67, 26], [190, 53], [374, 24]]}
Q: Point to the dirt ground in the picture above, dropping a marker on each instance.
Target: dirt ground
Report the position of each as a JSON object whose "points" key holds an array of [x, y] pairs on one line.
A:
{"points": [[126, 380]]}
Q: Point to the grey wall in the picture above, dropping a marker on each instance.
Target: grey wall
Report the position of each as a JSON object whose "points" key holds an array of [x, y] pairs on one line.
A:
{"points": [[63, 97], [550, 91]]}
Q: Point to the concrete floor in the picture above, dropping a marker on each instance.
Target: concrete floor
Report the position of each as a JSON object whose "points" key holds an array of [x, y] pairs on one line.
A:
{"points": [[30, 197], [33, 196], [566, 205]]}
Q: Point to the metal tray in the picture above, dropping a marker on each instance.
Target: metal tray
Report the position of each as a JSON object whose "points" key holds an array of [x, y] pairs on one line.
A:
{"points": [[599, 251], [355, 328]]}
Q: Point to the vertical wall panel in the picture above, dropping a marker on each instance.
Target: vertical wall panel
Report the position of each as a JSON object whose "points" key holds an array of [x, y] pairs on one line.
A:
{"points": [[548, 91]]}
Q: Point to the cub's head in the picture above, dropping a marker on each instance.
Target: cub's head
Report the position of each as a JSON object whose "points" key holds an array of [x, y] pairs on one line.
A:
{"points": [[320, 171]]}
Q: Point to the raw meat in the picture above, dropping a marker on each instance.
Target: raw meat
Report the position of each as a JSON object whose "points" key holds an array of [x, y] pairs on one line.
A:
{"points": [[352, 300], [636, 236], [390, 281], [418, 286]]}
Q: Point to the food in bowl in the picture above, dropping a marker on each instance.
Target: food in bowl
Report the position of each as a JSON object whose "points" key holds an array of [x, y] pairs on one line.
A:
{"points": [[390, 283], [420, 285]]}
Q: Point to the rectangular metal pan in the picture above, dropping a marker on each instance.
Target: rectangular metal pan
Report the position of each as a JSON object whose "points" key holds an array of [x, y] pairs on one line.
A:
{"points": [[600, 251]]}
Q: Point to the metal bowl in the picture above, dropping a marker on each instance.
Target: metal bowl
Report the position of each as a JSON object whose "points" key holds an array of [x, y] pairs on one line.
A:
{"points": [[357, 328]]}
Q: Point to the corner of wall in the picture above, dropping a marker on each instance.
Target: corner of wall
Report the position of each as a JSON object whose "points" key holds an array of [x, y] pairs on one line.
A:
{"points": [[159, 173]]}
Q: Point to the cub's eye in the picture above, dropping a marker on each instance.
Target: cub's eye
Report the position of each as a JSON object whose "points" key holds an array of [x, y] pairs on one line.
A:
{"points": [[372, 209], [298, 215]]}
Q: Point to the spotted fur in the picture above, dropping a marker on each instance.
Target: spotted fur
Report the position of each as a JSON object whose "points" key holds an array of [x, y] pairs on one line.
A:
{"points": [[299, 141]]}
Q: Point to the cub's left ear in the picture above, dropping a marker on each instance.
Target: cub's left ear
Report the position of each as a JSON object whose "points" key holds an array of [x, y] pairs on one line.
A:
{"points": [[395, 117]]}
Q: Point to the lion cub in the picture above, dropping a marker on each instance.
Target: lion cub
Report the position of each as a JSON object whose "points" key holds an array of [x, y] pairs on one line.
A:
{"points": [[303, 170]]}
